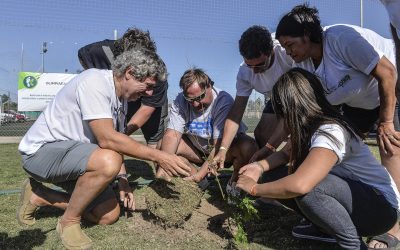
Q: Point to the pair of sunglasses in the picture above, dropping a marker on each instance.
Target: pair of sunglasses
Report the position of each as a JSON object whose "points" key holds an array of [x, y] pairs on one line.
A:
{"points": [[264, 64], [196, 98]]}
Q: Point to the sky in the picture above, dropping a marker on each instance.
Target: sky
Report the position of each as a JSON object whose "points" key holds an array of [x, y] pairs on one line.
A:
{"points": [[188, 33]]}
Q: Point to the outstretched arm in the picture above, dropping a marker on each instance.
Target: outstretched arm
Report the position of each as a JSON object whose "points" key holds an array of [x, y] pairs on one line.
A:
{"points": [[313, 170], [139, 119], [386, 75], [231, 127], [108, 138]]}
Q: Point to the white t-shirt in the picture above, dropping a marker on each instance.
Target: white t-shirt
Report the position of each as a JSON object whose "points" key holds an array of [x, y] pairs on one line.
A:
{"points": [[202, 127], [356, 162], [350, 53], [90, 95], [393, 9], [247, 80]]}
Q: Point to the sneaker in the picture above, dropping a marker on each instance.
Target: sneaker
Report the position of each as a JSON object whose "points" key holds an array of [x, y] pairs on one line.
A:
{"points": [[303, 223], [203, 184], [26, 210], [311, 232], [232, 192], [72, 237]]}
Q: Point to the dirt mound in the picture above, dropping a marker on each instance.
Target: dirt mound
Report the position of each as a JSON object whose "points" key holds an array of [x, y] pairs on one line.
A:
{"points": [[171, 203]]}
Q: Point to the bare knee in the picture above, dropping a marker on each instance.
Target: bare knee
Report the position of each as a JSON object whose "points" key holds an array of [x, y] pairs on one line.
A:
{"points": [[108, 163], [106, 213], [248, 147], [244, 148], [110, 218]]}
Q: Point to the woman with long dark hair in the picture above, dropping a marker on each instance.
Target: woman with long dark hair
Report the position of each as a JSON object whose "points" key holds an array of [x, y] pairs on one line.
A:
{"points": [[357, 70], [333, 178]]}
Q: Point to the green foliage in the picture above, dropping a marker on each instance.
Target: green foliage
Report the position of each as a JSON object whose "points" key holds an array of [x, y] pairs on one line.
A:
{"points": [[249, 212], [241, 235], [4, 98], [243, 212]]}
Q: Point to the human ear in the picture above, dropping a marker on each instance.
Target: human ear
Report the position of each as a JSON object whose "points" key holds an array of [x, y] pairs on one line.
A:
{"points": [[128, 74]]}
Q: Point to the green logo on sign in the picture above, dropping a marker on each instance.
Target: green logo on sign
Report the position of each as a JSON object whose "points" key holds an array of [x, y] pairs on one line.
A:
{"points": [[30, 82]]}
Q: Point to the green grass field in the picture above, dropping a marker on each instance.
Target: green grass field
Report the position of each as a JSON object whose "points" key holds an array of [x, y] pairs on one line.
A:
{"points": [[272, 231]]}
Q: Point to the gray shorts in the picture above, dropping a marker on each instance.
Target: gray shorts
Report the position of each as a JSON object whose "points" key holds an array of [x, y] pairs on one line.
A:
{"points": [[61, 163]]}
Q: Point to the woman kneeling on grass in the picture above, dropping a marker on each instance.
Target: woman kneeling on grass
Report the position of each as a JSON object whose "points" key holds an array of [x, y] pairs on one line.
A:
{"points": [[333, 178]]}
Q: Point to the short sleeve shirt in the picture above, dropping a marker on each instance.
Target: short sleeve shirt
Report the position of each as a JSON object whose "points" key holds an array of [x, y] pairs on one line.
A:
{"points": [[88, 96], [202, 127], [350, 53], [263, 83], [355, 160], [97, 55]]}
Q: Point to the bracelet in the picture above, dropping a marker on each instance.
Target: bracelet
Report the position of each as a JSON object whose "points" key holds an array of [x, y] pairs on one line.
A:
{"points": [[123, 176], [390, 121], [223, 148], [252, 190], [261, 166], [270, 147]]}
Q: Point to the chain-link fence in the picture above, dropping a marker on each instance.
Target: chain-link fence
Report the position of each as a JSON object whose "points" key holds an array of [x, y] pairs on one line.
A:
{"points": [[44, 36], [16, 124]]}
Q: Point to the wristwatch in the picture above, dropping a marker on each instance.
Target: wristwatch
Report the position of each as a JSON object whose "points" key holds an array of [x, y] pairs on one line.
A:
{"points": [[123, 176]]}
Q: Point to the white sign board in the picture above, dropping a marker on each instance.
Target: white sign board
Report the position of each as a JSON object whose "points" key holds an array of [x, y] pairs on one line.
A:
{"points": [[36, 90]]}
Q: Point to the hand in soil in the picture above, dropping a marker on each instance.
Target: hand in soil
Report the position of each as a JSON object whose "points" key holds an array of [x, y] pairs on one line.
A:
{"points": [[126, 197], [173, 164], [197, 177]]}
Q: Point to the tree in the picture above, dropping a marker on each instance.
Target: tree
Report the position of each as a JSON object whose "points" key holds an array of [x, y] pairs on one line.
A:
{"points": [[4, 98], [259, 103], [13, 106]]}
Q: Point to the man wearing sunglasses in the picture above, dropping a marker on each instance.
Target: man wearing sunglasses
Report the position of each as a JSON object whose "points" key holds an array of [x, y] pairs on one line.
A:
{"points": [[264, 62], [197, 118]]}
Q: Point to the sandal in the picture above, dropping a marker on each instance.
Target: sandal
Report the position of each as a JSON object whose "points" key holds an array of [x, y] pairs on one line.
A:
{"points": [[391, 241]]}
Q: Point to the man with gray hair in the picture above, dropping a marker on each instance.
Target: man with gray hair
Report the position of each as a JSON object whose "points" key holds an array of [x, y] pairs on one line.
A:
{"points": [[77, 143], [148, 113]]}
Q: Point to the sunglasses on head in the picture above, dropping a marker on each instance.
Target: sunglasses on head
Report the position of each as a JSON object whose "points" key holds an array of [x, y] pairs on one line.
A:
{"points": [[196, 98]]}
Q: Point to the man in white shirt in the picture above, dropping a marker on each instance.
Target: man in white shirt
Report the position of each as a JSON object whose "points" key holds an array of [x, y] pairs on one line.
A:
{"points": [[77, 143], [196, 125], [264, 61]]}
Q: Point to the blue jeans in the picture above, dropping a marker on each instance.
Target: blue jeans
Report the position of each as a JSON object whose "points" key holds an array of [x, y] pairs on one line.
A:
{"points": [[343, 208]]}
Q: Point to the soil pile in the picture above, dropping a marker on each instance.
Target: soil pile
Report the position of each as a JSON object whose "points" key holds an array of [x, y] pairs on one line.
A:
{"points": [[172, 203]]}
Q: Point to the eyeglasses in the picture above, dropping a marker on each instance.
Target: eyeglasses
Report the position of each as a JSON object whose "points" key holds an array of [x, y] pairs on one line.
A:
{"points": [[264, 64], [195, 99]]}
